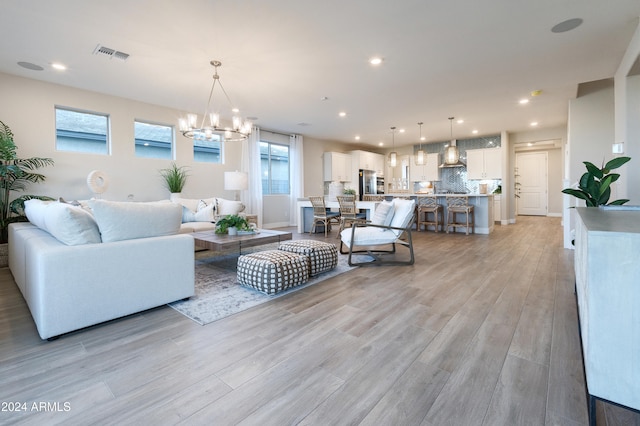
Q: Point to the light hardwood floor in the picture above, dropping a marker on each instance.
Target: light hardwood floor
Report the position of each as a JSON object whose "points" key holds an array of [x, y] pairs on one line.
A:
{"points": [[482, 330]]}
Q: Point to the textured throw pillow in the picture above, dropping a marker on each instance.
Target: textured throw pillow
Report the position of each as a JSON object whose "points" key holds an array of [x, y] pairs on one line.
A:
{"points": [[227, 207], [383, 214], [71, 225], [128, 220], [404, 210], [205, 212]]}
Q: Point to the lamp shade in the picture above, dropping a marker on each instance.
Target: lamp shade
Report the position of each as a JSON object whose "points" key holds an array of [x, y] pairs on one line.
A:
{"points": [[236, 181]]}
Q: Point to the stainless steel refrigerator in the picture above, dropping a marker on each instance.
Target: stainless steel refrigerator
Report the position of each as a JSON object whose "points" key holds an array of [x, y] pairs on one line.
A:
{"points": [[367, 182]]}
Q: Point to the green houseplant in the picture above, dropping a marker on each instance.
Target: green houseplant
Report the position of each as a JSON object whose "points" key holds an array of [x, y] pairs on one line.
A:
{"points": [[231, 221], [15, 174], [175, 177], [594, 186], [349, 191]]}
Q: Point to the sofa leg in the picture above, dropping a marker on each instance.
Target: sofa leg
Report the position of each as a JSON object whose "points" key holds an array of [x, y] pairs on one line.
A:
{"points": [[51, 339]]}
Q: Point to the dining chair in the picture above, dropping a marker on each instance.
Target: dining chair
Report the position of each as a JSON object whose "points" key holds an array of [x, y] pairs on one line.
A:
{"points": [[349, 214], [322, 215]]}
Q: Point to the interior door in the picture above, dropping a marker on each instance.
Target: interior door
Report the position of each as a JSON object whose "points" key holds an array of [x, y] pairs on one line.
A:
{"points": [[531, 183]]}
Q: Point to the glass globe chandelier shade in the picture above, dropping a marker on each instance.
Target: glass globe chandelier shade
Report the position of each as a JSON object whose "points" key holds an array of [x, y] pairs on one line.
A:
{"points": [[421, 156], [392, 159], [238, 131], [451, 154]]}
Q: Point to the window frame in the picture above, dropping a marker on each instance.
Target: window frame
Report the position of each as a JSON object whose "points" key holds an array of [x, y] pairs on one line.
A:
{"points": [[107, 137], [269, 190], [172, 149]]}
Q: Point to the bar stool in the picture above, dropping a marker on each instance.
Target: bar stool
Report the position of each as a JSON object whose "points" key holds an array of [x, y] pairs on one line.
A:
{"points": [[369, 197], [460, 205], [428, 205]]}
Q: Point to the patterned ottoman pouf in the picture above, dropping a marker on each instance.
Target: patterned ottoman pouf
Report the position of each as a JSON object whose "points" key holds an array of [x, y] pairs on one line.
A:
{"points": [[322, 256], [272, 271]]}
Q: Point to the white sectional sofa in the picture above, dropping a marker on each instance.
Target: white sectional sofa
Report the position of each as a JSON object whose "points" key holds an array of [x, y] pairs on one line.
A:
{"points": [[76, 269]]}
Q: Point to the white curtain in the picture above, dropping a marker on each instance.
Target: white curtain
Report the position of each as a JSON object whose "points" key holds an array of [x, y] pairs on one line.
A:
{"points": [[252, 197], [296, 177]]}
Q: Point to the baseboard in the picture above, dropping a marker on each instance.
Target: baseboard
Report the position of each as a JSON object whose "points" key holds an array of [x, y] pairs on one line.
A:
{"points": [[275, 225], [554, 214]]}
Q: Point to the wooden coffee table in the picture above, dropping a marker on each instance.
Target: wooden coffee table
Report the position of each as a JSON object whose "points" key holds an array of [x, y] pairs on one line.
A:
{"points": [[218, 242]]}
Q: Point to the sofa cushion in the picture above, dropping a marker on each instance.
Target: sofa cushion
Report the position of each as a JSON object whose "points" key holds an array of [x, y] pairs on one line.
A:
{"points": [[205, 212], [383, 214], [128, 220], [228, 207], [69, 224], [403, 213]]}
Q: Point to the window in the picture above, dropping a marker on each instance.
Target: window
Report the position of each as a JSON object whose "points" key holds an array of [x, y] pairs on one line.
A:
{"points": [[153, 140], [82, 131], [208, 151], [274, 159]]}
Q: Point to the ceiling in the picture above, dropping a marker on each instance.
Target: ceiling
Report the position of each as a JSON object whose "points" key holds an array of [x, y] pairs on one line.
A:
{"points": [[464, 58]]}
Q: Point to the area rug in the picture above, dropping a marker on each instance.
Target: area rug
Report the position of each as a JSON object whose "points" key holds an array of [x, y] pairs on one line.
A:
{"points": [[219, 295]]}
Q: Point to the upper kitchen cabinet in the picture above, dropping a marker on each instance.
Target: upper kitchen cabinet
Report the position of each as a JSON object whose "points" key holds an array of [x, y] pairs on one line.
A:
{"points": [[484, 163], [426, 172], [365, 160], [337, 167]]}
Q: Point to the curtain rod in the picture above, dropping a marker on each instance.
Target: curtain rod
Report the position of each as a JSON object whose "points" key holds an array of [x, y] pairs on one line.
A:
{"points": [[277, 133]]}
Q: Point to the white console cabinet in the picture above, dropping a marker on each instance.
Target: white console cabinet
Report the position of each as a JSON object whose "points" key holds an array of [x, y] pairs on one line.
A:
{"points": [[607, 248]]}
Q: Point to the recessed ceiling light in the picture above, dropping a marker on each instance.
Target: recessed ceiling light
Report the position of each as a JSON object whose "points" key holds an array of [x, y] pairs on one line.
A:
{"points": [[423, 138], [236, 110], [401, 131], [534, 123], [523, 101], [58, 66], [30, 66], [460, 121], [357, 138], [380, 143], [376, 60], [529, 144], [567, 25], [474, 131], [342, 114]]}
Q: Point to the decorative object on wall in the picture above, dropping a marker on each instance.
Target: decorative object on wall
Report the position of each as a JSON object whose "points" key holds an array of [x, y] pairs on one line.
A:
{"points": [[236, 181], [98, 182], [421, 155], [393, 155], [239, 130], [594, 187]]}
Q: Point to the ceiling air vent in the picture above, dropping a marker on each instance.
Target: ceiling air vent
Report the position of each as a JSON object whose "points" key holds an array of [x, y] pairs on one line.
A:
{"points": [[111, 53]]}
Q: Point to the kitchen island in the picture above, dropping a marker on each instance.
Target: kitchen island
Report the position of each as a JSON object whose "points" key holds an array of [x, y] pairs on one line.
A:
{"points": [[483, 209]]}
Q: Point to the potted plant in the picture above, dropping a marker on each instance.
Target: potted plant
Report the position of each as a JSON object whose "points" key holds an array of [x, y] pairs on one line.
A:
{"points": [[349, 191], [594, 186], [231, 224], [175, 178], [15, 174]]}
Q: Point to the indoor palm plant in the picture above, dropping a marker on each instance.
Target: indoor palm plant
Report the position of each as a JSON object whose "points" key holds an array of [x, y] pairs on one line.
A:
{"points": [[175, 177], [15, 174], [594, 186]]}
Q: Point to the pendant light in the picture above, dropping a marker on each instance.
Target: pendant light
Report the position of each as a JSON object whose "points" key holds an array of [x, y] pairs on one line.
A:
{"points": [[393, 155], [451, 154], [421, 156]]}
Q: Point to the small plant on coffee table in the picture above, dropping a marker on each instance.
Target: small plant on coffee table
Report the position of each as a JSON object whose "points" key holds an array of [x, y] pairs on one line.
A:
{"points": [[223, 224]]}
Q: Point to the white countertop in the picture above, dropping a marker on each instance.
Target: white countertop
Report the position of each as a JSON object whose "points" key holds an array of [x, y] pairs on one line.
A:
{"points": [[602, 220]]}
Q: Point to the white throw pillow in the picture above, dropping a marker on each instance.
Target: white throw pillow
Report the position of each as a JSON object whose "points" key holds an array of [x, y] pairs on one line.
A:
{"points": [[403, 212], [35, 211], [128, 220], [205, 212], [188, 215], [383, 214], [192, 203], [70, 224], [227, 207]]}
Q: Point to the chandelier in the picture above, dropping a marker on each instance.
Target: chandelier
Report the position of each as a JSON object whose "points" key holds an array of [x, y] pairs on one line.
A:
{"points": [[451, 154], [240, 129], [393, 155], [421, 156]]}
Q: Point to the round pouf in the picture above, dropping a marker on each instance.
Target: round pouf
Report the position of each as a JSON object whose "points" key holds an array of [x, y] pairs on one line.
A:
{"points": [[272, 271], [322, 256]]}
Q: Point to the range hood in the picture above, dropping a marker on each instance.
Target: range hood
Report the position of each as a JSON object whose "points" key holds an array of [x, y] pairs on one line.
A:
{"points": [[452, 156]]}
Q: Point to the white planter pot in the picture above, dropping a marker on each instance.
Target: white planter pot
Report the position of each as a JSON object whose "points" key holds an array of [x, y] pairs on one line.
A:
{"points": [[232, 230], [175, 195]]}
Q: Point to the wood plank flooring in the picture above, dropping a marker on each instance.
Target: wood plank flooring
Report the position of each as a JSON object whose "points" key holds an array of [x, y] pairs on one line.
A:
{"points": [[482, 330]]}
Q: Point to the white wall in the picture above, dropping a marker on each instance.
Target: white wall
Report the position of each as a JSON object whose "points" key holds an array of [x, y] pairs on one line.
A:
{"points": [[27, 107]]}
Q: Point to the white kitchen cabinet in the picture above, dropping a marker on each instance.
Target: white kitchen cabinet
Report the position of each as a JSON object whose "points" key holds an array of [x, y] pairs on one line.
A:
{"points": [[337, 167], [427, 172], [366, 160], [484, 163], [497, 208]]}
